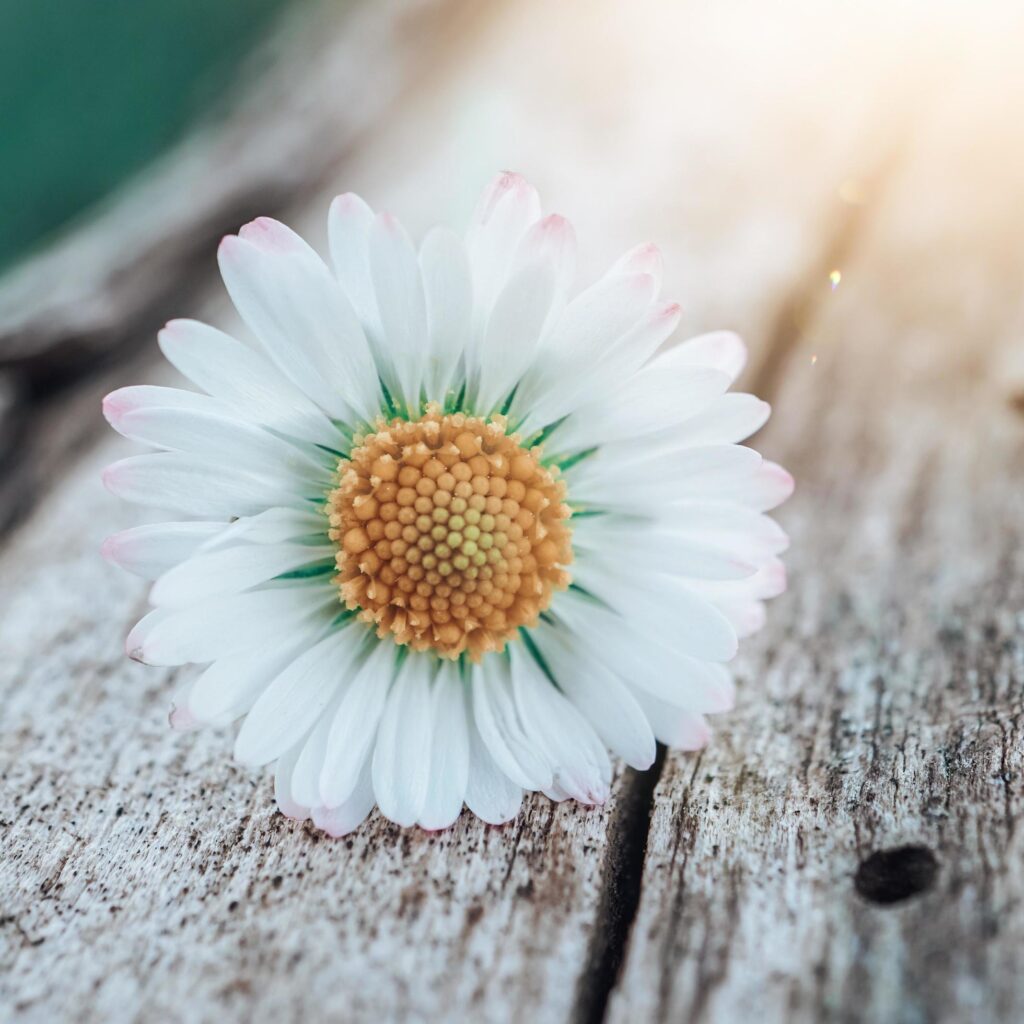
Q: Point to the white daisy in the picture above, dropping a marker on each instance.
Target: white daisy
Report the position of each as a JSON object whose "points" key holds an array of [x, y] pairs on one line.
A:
{"points": [[448, 530]]}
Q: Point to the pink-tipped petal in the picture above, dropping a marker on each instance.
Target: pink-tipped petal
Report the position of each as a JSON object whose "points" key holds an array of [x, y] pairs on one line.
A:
{"points": [[348, 206], [724, 350], [551, 240], [722, 697], [116, 405], [642, 259], [771, 580], [109, 476], [182, 720], [781, 483], [506, 186], [271, 235], [227, 246], [750, 618], [108, 549], [731, 353], [292, 810]]}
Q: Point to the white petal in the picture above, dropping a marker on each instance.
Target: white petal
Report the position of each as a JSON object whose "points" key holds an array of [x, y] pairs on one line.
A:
{"points": [[283, 782], [449, 302], [729, 420], [299, 312], [191, 485], [741, 601], [148, 396], [769, 486], [599, 378], [648, 402], [449, 751], [306, 776], [641, 259], [498, 722], [513, 332], [340, 820], [490, 794], [243, 380], [644, 658], [236, 445], [681, 730], [232, 570], [620, 476], [577, 342], [228, 625], [747, 617], [401, 756], [292, 704], [508, 206], [721, 350], [688, 623], [647, 547], [354, 728], [556, 793], [230, 686], [348, 228], [598, 694], [551, 240], [274, 526], [149, 551], [579, 759], [752, 535], [395, 272], [770, 580]]}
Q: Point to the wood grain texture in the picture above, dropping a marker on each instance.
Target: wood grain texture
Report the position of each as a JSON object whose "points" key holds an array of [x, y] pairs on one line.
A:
{"points": [[146, 877]]}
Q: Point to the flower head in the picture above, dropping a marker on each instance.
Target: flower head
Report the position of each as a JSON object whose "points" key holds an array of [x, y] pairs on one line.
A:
{"points": [[448, 529]]}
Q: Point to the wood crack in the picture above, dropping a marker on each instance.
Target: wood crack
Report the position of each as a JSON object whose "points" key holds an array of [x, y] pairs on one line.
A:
{"points": [[621, 878]]}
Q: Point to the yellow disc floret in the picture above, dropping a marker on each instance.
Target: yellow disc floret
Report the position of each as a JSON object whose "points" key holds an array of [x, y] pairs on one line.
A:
{"points": [[450, 534]]}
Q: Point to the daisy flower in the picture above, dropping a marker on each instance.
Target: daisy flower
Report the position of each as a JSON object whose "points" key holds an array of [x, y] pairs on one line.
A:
{"points": [[448, 529]]}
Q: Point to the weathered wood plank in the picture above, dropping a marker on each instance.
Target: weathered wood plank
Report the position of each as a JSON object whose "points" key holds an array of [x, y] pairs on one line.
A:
{"points": [[883, 708], [152, 872]]}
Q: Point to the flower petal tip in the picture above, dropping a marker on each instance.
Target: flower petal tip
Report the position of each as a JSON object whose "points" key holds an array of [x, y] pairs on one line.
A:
{"points": [[109, 477], [645, 258], [507, 183], [700, 739], [227, 245], [776, 578], [115, 406], [292, 811], [346, 203], [785, 479], [326, 819], [173, 330], [670, 313], [180, 719], [554, 224], [510, 181], [108, 549]]}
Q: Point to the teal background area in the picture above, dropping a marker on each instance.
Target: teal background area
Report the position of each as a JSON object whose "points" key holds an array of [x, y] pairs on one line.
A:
{"points": [[92, 90]]}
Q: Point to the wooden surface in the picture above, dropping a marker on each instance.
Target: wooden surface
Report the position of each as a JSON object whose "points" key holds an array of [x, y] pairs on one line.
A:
{"points": [[846, 849]]}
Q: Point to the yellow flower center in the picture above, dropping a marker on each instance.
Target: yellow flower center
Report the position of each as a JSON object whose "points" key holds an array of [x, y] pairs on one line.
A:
{"points": [[450, 534]]}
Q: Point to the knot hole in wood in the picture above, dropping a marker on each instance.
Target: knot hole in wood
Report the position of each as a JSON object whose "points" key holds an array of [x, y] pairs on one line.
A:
{"points": [[892, 876]]}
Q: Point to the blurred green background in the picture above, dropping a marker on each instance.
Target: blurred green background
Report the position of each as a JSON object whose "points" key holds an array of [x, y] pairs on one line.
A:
{"points": [[92, 90]]}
